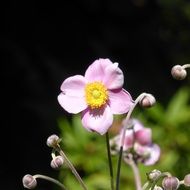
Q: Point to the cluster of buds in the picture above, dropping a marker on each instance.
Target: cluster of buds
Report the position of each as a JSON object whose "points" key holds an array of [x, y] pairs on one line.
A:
{"points": [[138, 142], [168, 182], [57, 161], [29, 181]]}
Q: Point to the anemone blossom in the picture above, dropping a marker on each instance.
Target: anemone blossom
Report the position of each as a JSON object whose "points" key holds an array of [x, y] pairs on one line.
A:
{"points": [[98, 95]]}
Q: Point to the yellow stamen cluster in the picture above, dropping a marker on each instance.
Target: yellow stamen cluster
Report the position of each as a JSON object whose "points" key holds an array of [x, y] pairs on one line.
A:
{"points": [[96, 94]]}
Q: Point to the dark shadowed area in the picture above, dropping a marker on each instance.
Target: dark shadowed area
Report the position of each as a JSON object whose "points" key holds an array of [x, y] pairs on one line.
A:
{"points": [[43, 43]]}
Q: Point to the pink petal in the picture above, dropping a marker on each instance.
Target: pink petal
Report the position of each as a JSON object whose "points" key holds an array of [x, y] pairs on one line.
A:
{"points": [[96, 71], [120, 101], [137, 125], [129, 139], [74, 86], [114, 78], [99, 120], [72, 98], [154, 155], [144, 136], [72, 104], [148, 155]]}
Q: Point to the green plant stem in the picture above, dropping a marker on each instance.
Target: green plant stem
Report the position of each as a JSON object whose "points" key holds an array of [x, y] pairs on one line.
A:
{"points": [[118, 168], [109, 161], [139, 98], [50, 179], [70, 165]]}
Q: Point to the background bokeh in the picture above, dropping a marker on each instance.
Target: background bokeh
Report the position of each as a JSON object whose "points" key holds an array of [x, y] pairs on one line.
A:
{"points": [[42, 43]]}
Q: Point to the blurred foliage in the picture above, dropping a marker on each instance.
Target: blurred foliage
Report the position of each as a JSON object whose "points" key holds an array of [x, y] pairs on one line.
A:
{"points": [[87, 151]]}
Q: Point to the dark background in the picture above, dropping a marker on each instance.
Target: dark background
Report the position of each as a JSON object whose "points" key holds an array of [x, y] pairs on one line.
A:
{"points": [[42, 43]]}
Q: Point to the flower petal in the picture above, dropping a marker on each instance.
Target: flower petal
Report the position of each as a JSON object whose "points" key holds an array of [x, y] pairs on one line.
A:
{"points": [[154, 155], [72, 98], [114, 77], [99, 120], [144, 136], [96, 71], [120, 101], [129, 139], [72, 104], [74, 86]]}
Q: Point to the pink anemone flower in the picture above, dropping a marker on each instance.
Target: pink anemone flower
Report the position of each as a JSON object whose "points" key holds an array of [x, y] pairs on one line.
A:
{"points": [[98, 95]]}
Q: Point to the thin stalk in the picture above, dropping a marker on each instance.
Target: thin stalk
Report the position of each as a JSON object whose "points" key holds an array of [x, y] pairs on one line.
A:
{"points": [[109, 161], [136, 173], [186, 66], [139, 98], [118, 168], [70, 165], [50, 179]]}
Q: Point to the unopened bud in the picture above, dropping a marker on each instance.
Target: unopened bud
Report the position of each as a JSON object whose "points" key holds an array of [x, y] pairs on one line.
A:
{"points": [[52, 141], [187, 180], [178, 72], [170, 183], [147, 101], [29, 181], [153, 175], [57, 162]]}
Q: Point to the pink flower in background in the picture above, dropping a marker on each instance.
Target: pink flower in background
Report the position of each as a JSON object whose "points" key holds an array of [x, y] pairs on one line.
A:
{"points": [[98, 95], [148, 154], [144, 136], [138, 141], [130, 134]]}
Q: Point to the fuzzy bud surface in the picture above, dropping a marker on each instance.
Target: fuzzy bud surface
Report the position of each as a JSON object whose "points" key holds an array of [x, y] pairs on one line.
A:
{"points": [[29, 181]]}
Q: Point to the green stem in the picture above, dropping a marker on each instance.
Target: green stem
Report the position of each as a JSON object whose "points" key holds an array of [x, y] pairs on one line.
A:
{"points": [[118, 168], [109, 161], [70, 165], [50, 179]]}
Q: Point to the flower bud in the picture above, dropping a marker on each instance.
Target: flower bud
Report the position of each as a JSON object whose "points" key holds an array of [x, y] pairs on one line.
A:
{"points": [[178, 72], [153, 175], [57, 162], [52, 141], [170, 183], [147, 101], [187, 180], [29, 181]]}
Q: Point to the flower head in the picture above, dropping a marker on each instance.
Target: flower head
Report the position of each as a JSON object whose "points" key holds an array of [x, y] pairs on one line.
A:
{"points": [[98, 95]]}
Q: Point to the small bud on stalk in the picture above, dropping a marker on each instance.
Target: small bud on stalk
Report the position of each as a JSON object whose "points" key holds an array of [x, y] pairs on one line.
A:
{"points": [[147, 101], [57, 162], [52, 141], [178, 72], [187, 180], [170, 183], [153, 175], [29, 181]]}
